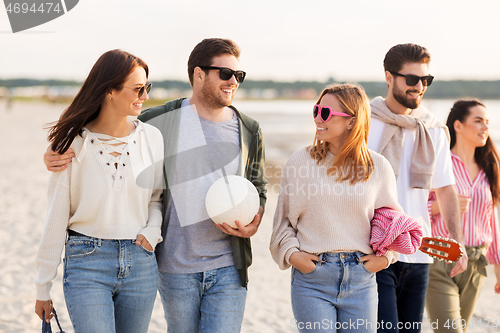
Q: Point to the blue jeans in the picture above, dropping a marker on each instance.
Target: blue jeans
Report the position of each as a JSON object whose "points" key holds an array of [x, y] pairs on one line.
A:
{"points": [[339, 295], [109, 285], [211, 301], [401, 291]]}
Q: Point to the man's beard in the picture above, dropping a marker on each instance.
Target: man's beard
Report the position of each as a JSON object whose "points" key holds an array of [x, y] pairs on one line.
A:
{"points": [[404, 100], [211, 99]]}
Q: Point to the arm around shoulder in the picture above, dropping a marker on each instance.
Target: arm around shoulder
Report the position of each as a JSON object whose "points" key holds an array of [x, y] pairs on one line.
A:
{"points": [[57, 162]]}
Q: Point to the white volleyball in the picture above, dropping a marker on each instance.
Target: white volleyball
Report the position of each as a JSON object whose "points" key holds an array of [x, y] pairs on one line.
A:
{"points": [[232, 198]]}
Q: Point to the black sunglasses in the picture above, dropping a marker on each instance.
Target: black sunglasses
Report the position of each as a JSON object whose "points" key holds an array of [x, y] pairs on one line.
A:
{"points": [[412, 80], [227, 73]]}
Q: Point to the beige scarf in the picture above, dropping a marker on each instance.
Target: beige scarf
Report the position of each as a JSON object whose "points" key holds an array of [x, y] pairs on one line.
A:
{"points": [[391, 144]]}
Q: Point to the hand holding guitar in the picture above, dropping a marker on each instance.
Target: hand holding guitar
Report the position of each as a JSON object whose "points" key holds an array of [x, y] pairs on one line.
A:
{"points": [[444, 249]]}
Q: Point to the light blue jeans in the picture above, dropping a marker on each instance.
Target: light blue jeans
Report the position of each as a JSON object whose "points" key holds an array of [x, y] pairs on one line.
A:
{"points": [[109, 285], [339, 295], [211, 301]]}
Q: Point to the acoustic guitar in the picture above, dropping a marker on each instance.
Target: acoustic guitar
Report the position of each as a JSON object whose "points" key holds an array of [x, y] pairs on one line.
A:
{"points": [[442, 248]]}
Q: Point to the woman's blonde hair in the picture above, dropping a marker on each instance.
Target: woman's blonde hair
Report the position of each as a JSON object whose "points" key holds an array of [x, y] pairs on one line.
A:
{"points": [[354, 162]]}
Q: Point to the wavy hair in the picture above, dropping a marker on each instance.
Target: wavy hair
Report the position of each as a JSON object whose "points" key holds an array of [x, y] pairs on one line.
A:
{"points": [[108, 73], [486, 157], [354, 162]]}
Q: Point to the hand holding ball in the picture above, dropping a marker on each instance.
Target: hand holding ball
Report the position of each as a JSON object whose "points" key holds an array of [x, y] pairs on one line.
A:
{"points": [[232, 198]]}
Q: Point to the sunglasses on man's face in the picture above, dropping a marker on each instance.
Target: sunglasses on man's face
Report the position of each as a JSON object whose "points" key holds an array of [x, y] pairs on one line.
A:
{"points": [[412, 80], [326, 112], [226, 74]]}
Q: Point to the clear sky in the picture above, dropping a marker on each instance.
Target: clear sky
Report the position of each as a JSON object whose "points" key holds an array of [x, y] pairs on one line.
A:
{"points": [[280, 40]]}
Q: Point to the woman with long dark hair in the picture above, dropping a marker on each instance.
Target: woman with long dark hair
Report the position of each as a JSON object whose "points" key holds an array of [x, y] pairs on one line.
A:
{"points": [[329, 193], [105, 206], [451, 301]]}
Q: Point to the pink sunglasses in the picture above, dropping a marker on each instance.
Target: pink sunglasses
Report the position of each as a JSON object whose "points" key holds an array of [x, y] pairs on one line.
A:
{"points": [[326, 112]]}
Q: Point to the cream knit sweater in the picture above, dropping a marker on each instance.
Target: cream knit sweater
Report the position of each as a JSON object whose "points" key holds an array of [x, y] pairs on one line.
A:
{"points": [[98, 198], [317, 214]]}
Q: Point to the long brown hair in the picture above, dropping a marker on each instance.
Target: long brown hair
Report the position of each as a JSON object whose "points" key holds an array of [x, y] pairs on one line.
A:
{"points": [[354, 162], [108, 73], [486, 157]]}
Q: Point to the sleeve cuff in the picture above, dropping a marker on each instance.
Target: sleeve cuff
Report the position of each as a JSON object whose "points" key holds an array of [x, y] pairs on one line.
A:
{"points": [[288, 254], [152, 235], [43, 291], [391, 256]]}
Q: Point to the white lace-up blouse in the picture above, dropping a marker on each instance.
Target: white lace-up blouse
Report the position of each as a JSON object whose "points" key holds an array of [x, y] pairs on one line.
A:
{"points": [[111, 190]]}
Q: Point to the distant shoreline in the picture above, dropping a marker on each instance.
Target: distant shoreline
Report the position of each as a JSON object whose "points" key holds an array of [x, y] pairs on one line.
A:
{"points": [[263, 89], [155, 102]]}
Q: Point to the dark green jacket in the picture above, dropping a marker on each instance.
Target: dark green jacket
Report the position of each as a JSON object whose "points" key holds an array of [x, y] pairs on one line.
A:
{"points": [[251, 165]]}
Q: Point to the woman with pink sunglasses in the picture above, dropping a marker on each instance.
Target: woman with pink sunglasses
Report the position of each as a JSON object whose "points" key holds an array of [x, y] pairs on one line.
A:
{"points": [[329, 192]]}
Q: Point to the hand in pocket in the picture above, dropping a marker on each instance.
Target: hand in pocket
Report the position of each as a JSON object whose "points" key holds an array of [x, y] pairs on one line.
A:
{"points": [[141, 240], [303, 261]]}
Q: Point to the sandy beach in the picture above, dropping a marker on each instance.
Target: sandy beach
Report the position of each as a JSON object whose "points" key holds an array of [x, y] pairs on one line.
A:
{"points": [[23, 186]]}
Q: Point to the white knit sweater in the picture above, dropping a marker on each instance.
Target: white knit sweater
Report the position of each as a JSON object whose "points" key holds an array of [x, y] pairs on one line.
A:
{"points": [[317, 214], [103, 197]]}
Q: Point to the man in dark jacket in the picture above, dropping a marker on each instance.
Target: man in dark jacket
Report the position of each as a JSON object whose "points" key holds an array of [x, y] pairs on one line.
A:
{"points": [[203, 266]]}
